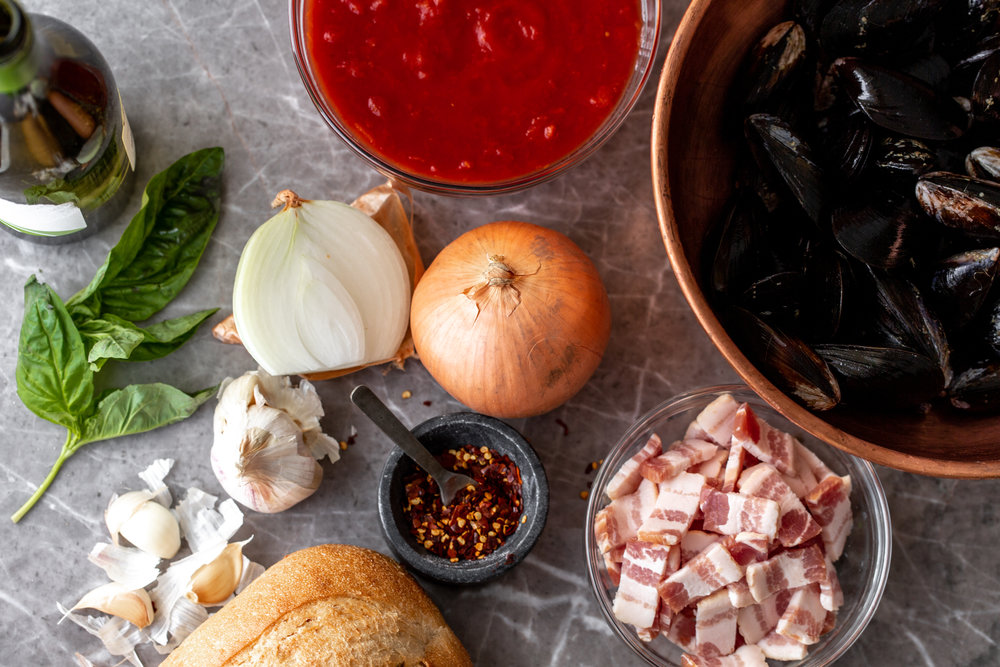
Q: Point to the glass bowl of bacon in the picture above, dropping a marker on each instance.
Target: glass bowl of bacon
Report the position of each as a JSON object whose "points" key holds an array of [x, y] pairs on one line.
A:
{"points": [[719, 534]]}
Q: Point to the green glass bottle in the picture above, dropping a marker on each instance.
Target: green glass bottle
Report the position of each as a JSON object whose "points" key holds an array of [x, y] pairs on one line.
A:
{"points": [[66, 151]]}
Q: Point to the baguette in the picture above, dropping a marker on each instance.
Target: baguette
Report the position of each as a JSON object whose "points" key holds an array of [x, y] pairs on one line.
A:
{"points": [[326, 605]]}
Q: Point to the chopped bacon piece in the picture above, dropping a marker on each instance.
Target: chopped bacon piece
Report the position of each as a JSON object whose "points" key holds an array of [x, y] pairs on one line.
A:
{"points": [[619, 521], [804, 618], [613, 562], [780, 647], [739, 594], [676, 504], [789, 569], [696, 541], [682, 455], [626, 480], [795, 524], [831, 595], [764, 441], [682, 629], [807, 461], [637, 600], [714, 469], [747, 655], [732, 513], [830, 504], [716, 420], [755, 621], [747, 548], [734, 467], [705, 573], [715, 625]]}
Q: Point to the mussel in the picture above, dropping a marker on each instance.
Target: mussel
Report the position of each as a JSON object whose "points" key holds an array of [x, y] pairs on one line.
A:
{"points": [[886, 376], [886, 229], [781, 148], [984, 163], [977, 389], [960, 201], [897, 28], [901, 103], [960, 284]]}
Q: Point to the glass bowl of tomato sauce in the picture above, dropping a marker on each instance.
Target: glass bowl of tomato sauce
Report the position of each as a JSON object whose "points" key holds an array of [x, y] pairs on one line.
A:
{"points": [[474, 98]]}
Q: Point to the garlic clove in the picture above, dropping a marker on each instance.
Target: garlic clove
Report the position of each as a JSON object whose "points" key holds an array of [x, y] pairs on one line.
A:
{"points": [[121, 508], [153, 528], [133, 606], [213, 583]]}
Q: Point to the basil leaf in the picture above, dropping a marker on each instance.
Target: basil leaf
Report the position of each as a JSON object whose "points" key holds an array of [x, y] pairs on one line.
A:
{"points": [[106, 339], [138, 408], [164, 337], [53, 378], [161, 246]]}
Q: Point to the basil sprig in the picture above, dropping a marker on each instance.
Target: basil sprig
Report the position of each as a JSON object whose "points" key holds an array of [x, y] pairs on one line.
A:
{"points": [[63, 346]]}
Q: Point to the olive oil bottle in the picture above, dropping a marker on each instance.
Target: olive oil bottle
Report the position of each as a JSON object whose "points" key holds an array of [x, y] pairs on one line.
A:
{"points": [[66, 151]]}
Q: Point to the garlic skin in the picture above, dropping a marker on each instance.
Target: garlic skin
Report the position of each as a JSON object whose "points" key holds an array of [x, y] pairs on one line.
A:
{"points": [[131, 605], [267, 440], [145, 523]]}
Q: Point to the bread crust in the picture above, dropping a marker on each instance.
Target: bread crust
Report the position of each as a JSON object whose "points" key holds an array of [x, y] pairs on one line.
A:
{"points": [[326, 605]]}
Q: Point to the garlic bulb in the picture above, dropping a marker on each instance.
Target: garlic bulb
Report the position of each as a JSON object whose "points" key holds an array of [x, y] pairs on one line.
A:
{"points": [[267, 440], [113, 598], [144, 522], [320, 286]]}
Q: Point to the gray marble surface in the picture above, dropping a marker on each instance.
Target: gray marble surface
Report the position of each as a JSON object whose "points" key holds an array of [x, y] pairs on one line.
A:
{"points": [[194, 74]]}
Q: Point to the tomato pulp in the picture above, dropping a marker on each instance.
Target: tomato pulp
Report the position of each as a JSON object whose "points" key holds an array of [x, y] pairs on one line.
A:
{"points": [[472, 92]]}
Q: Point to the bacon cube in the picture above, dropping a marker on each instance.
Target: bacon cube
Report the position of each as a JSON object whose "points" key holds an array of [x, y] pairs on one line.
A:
{"points": [[704, 574], [789, 569], [626, 480], [804, 617], [747, 655], [715, 624], [679, 457], [619, 521], [795, 524], [637, 599], [780, 647], [732, 513], [676, 504], [764, 441], [830, 504], [716, 420]]}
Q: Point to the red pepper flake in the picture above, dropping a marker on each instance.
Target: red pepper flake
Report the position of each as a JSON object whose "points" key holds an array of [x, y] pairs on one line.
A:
{"points": [[427, 403], [479, 519], [565, 428]]}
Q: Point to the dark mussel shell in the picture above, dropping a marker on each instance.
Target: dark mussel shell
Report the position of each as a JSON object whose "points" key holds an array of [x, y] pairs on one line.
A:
{"points": [[776, 66], [993, 328], [829, 280], [785, 360], [741, 253], [932, 69], [779, 148], [967, 23], [886, 230], [901, 103], [848, 144], [809, 13], [986, 91], [962, 202], [904, 157], [905, 320], [977, 389], [984, 163], [960, 284], [777, 299], [883, 376], [880, 28]]}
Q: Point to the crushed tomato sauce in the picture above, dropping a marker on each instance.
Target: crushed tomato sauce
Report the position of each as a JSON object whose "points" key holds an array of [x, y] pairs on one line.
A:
{"points": [[472, 92], [479, 519]]}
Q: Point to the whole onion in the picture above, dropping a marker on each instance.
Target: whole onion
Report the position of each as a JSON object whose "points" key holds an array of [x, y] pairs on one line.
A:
{"points": [[511, 319]]}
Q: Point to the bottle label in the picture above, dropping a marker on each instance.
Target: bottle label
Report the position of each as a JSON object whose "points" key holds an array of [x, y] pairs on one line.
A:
{"points": [[42, 219]]}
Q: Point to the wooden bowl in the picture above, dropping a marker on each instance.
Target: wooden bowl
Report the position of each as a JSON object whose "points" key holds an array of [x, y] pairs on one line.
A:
{"points": [[693, 159]]}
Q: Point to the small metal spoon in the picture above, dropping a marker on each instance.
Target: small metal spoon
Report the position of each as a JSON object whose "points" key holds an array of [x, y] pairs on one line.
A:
{"points": [[449, 483]]}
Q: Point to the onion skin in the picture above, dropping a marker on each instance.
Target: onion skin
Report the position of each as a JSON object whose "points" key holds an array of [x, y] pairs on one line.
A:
{"points": [[511, 350]]}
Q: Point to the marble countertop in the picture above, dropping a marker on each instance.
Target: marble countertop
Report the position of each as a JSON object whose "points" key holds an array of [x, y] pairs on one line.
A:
{"points": [[194, 74]]}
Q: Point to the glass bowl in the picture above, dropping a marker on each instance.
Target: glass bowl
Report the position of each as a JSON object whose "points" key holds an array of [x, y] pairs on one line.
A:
{"points": [[862, 569], [648, 37]]}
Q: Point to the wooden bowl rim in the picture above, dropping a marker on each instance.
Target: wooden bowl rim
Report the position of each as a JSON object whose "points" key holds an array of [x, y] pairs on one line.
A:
{"points": [[659, 148]]}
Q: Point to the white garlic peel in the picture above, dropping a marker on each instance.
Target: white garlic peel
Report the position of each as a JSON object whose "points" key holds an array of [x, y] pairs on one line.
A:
{"points": [[267, 440], [320, 286], [145, 523], [117, 600]]}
